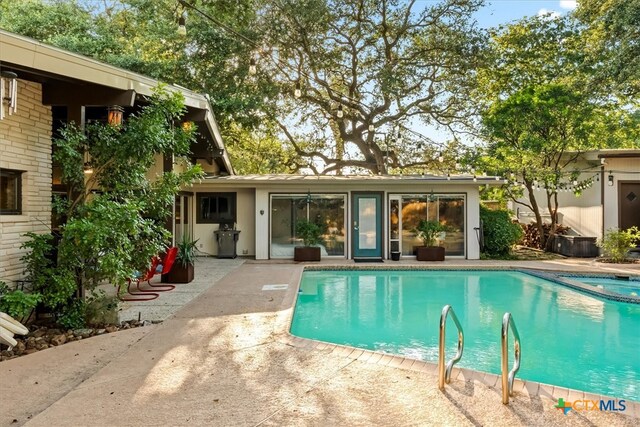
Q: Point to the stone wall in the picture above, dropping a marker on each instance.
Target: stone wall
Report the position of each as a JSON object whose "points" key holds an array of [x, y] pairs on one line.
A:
{"points": [[25, 145]]}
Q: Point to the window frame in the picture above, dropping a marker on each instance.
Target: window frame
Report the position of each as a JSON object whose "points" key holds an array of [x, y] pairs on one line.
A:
{"points": [[233, 205], [18, 175]]}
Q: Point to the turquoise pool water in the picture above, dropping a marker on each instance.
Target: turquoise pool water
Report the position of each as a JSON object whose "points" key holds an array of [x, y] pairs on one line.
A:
{"points": [[568, 338], [619, 286]]}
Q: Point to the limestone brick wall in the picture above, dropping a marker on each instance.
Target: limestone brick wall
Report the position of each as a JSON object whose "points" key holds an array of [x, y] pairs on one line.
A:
{"points": [[25, 145]]}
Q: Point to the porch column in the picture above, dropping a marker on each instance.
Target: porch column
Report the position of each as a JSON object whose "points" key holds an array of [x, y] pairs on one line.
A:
{"points": [[473, 222], [262, 224]]}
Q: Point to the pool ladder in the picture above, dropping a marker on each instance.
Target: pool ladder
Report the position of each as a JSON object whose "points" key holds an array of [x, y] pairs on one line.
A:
{"points": [[444, 373]]}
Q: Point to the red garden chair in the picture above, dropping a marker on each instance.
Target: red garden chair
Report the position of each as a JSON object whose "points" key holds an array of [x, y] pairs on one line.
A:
{"points": [[142, 295]]}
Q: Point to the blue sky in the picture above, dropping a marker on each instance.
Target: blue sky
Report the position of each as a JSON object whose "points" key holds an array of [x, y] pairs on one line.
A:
{"points": [[497, 12]]}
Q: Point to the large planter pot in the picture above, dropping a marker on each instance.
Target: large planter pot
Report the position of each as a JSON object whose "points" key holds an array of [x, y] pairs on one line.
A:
{"points": [[179, 274], [430, 253], [306, 253]]}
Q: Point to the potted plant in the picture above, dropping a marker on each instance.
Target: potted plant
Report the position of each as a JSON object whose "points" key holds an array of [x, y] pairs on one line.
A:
{"points": [[182, 270], [310, 233], [429, 231]]}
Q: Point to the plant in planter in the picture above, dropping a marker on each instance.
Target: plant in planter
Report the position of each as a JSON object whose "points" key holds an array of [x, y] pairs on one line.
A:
{"points": [[182, 270], [428, 231], [310, 233]]}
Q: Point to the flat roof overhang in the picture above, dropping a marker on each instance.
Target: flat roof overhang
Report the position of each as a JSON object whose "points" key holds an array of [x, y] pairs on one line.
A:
{"points": [[260, 181]]}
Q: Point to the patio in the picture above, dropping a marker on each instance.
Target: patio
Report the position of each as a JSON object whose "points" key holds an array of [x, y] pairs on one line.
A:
{"points": [[225, 358]]}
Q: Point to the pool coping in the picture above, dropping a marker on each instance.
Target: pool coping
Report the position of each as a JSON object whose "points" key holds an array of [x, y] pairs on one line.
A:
{"points": [[521, 388]]}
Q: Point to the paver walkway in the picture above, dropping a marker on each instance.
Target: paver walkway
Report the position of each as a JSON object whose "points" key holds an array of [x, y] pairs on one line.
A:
{"points": [[225, 358]]}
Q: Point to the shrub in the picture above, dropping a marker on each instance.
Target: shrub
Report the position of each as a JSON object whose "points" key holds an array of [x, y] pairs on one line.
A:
{"points": [[428, 231], [500, 233], [17, 303], [617, 243], [309, 232]]}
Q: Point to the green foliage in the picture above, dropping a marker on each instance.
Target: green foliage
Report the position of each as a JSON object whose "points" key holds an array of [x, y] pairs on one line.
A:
{"points": [[17, 303], [611, 40], [186, 251], [101, 309], [56, 286], [257, 151], [617, 243], [72, 316], [110, 235], [309, 232], [428, 231], [500, 232]]}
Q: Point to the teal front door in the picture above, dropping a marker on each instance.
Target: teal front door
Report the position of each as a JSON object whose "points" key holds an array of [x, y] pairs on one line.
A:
{"points": [[366, 225]]}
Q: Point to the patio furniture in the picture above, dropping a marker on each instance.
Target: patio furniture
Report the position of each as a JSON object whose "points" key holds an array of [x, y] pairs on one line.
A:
{"points": [[164, 268], [141, 295]]}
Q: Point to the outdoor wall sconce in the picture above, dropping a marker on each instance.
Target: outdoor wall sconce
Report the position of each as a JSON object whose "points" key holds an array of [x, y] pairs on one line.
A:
{"points": [[8, 92], [610, 180], [114, 115], [187, 126], [88, 169], [261, 211]]}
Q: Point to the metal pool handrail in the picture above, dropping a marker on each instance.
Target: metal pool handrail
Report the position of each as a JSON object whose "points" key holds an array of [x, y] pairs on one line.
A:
{"points": [[507, 378], [444, 375]]}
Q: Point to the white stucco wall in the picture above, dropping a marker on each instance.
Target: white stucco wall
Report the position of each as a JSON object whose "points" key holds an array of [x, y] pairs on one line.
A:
{"points": [[256, 240], [245, 222]]}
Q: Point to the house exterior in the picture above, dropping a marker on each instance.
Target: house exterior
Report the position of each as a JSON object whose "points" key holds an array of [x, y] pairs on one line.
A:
{"points": [[365, 217], [54, 87], [361, 216], [610, 197]]}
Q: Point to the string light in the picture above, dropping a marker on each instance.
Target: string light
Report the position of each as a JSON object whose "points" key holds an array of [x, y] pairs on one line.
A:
{"points": [[372, 128], [252, 66], [298, 91], [340, 113], [441, 157], [182, 25]]}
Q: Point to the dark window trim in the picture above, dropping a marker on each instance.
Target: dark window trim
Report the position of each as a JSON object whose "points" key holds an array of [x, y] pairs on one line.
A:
{"points": [[18, 174], [233, 205]]}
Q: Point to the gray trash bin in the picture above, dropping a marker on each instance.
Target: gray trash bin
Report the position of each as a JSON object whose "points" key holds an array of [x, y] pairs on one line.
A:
{"points": [[227, 242]]}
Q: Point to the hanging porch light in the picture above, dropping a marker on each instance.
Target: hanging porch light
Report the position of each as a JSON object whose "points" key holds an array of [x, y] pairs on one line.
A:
{"points": [[114, 115]]}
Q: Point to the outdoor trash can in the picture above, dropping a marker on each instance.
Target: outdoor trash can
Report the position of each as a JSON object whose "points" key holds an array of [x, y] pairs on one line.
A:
{"points": [[227, 242]]}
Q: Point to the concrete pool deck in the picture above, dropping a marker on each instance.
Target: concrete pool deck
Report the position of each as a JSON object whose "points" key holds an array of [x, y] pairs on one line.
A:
{"points": [[226, 358]]}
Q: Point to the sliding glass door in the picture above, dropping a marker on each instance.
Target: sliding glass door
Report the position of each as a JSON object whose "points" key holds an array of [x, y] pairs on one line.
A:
{"points": [[326, 210]]}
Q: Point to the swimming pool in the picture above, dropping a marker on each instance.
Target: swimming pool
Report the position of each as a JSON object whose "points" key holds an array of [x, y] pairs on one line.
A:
{"points": [[568, 338], [618, 286]]}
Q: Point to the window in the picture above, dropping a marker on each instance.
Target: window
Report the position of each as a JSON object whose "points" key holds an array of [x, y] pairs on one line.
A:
{"points": [[10, 192], [216, 208], [326, 210]]}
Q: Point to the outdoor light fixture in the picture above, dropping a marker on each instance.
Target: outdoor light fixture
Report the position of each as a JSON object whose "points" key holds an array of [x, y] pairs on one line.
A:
{"points": [[187, 126], [448, 177], [8, 92], [610, 179], [252, 66], [340, 113], [88, 169], [297, 92], [114, 115], [372, 128], [475, 178], [182, 25], [441, 157], [399, 139], [497, 178]]}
